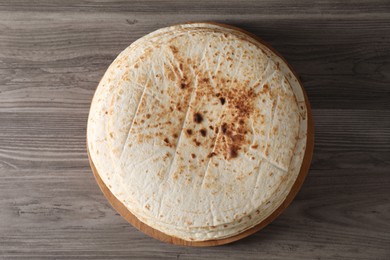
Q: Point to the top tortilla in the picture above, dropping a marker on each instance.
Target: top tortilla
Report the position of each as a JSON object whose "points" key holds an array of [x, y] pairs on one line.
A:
{"points": [[199, 130]]}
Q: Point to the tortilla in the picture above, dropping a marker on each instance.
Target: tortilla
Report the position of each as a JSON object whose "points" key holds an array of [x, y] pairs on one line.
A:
{"points": [[199, 130]]}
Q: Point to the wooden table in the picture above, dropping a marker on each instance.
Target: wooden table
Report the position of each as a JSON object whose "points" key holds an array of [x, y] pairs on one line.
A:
{"points": [[52, 55]]}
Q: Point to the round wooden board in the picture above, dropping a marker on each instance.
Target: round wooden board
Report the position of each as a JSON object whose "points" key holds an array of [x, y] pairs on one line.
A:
{"points": [[126, 214]]}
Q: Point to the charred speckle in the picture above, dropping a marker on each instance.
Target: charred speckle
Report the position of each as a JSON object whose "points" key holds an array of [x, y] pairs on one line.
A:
{"points": [[222, 100], [198, 118], [175, 136], [148, 115], [193, 156], [166, 140], [233, 152], [206, 80], [211, 127], [183, 85], [196, 142], [224, 128], [189, 131], [106, 112], [181, 66], [241, 122], [203, 132], [211, 155]]}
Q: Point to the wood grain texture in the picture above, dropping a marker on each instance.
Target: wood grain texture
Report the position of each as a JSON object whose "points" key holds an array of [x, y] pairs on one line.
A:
{"points": [[52, 55]]}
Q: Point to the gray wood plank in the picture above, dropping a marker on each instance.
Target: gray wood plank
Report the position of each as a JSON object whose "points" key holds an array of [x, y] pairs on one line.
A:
{"points": [[226, 7], [53, 54]]}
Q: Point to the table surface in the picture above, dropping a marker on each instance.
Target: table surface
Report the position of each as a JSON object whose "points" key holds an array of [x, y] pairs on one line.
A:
{"points": [[52, 55]]}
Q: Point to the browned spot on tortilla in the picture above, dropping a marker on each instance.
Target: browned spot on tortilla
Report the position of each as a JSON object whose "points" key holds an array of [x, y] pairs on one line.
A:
{"points": [[166, 140], [198, 118], [148, 116], [224, 128], [193, 156], [223, 100], [175, 135], [189, 131], [211, 155], [235, 126], [111, 134], [147, 206], [174, 49], [196, 142], [211, 127], [183, 85], [233, 151], [203, 132], [255, 146]]}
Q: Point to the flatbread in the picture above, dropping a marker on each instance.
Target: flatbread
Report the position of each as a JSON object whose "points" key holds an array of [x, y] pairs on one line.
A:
{"points": [[199, 130]]}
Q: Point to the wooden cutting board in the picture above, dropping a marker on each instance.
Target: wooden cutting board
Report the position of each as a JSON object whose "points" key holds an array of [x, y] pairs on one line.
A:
{"points": [[126, 214]]}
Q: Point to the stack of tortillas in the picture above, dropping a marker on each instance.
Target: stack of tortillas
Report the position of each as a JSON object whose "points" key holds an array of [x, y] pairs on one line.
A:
{"points": [[200, 132]]}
